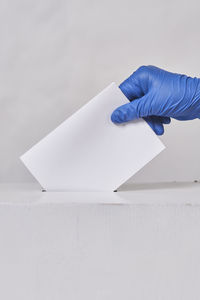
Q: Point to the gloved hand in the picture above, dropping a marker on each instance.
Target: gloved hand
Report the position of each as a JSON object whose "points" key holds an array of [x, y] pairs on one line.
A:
{"points": [[157, 95]]}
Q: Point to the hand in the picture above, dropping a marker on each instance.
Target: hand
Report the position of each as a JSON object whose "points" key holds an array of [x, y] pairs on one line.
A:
{"points": [[157, 95]]}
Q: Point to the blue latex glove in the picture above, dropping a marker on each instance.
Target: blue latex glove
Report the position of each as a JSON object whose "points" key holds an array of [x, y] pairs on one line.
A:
{"points": [[157, 95]]}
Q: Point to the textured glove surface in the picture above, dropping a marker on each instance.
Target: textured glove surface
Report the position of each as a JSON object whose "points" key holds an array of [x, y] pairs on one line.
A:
{"points": [[158, 95]]}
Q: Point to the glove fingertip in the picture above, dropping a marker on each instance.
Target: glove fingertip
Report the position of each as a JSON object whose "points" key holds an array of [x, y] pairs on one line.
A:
{"points": [[127, 89], [157, 126], [159, 130], [115, 117]]}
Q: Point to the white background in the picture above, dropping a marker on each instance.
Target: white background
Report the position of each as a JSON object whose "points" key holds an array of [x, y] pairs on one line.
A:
{"points": [[55, 55]]}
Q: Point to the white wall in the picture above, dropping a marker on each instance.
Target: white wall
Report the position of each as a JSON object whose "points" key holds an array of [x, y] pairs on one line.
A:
{"points": [[56, 54]]}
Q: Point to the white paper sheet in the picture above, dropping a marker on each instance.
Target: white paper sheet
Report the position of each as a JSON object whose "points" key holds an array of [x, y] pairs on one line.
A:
{"points": [[87, 152]]}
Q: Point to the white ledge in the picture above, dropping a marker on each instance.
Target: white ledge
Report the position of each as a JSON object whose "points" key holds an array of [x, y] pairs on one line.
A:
{"points": [[182, 193]]}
